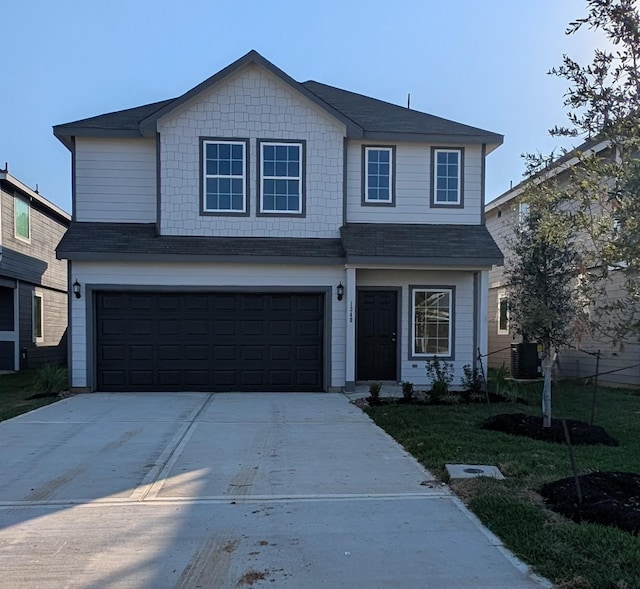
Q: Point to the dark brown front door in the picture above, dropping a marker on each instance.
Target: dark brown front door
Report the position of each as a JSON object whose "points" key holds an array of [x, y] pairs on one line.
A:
{"points": [[377, 335]]}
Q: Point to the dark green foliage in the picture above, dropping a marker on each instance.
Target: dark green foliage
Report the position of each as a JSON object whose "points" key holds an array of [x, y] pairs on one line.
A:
{"points": [[51, 379], [407, 390], [374, 390], [441, 374], [472, 381]]}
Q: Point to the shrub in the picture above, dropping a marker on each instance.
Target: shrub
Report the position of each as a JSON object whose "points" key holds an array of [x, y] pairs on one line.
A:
{"points": [[441, 374], [374, 390], [407, 390], [51, 379], [472, 381]]}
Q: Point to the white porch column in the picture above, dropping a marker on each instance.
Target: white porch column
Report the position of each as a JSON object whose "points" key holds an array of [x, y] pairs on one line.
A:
{"points": [[350, 360]]}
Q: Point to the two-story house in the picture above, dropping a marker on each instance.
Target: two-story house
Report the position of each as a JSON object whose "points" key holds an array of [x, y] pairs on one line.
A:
{"points": [[261, 234], [33, 283], [617, 365]]}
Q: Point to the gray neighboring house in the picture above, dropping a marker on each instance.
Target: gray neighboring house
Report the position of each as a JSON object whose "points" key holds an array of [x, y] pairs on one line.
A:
{"points": [[33, 282], [261, 234], [502, 214]]}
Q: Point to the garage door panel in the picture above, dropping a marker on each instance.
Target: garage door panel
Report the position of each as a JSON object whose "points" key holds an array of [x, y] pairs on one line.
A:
{"points": [[252, 328], [169, 378], [209, 341], [140, 378], [142, 353], [252, 353]]}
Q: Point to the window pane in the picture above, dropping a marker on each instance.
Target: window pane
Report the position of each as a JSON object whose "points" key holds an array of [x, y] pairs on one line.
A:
{"points": [[237, 152], [281, 168], [281, 152], [224, 151], [269, 152], [431, 319], [37, 316], [21, 217]]}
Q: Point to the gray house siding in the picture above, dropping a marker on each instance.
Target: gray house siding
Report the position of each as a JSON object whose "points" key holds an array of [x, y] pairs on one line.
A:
{"points": [[29, 266]]}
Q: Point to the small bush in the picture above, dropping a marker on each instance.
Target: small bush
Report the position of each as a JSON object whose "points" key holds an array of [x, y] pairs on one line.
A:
{"points": [[51, 379], [374, 390], [498, 382], [472, 381], [441, 374], [407, 390]]}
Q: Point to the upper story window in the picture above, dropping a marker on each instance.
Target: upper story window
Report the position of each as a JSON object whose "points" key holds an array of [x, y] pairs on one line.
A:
{"points": [[22, 218], [447, 188], [281, 182], [224, 176], [378, 168]]}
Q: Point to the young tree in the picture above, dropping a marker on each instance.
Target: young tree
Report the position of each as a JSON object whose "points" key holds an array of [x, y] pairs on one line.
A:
{"points": [[540, 274], [603, 103]]}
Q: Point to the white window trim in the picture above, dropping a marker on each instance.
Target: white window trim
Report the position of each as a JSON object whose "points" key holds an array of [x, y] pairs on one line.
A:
{"points": [[435, 177], [503, 297], [16, 197], [205, 176], [264, 144], [413, 292], [37, 294], [366, 175]]}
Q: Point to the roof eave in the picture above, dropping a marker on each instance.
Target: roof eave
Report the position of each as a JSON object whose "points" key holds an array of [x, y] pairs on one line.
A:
{"points": [[433, 262], [83, 256], [64, 134], [492, 141]]}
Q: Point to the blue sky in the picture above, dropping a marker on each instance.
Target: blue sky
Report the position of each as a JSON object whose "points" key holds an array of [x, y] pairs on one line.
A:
{"points": [[479, 62]]}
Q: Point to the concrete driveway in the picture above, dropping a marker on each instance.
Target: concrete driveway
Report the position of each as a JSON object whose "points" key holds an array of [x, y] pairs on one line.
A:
{"points": [[229, 490]]}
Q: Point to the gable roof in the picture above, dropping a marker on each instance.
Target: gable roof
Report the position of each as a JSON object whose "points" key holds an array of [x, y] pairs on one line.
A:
{"points": [[555, 168], [10, 183], [383, 120], [363, 117]]}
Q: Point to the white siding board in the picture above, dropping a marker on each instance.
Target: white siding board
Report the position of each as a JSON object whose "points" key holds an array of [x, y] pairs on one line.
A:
{"points": [[115, 180], [415, 370], [413, 188], [254, 105], [214, 276]]}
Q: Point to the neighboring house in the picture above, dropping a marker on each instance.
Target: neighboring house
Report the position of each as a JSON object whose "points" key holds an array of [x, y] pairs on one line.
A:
{"points": [[33, 283], [260, 234], [502, 214]]}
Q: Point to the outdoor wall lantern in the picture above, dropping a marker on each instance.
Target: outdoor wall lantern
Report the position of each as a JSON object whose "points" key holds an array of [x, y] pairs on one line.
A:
{"points": [[76, 289], [340, 291]]}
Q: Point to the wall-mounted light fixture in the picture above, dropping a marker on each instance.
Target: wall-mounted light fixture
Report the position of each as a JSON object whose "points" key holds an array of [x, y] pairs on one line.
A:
{"points": [[340, 291], [76, 289]]}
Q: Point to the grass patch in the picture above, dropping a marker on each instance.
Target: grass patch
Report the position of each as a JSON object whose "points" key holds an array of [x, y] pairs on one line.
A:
{"points": [[15, 389], [577, 556]]}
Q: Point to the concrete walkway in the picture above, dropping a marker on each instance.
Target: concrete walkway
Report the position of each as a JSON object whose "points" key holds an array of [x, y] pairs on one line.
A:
{"points": [[229, 490]]}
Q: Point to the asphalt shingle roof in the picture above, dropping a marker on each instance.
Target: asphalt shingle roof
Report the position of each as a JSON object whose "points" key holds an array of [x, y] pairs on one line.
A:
{"points": [[101, 240], [377, 116], [448, 245], [365, 117]]}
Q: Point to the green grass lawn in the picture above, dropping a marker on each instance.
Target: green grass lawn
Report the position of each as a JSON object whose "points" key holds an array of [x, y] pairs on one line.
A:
{"points": [[575, 556], [14, 392]]}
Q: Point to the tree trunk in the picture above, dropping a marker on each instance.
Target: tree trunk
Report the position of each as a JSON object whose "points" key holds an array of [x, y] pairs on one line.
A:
{"points": [[546, 390]]}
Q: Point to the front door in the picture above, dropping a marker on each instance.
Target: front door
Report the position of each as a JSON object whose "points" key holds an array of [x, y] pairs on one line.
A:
{"points": [[377, 357]]}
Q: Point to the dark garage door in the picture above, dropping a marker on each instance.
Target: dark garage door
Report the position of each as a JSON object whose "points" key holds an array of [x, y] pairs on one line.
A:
{"points": [[209, 341]]}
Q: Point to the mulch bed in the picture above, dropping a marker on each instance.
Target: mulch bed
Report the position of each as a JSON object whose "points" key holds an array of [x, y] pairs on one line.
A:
{"points": [[424, 398], [608, 498], [520, 424]]}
